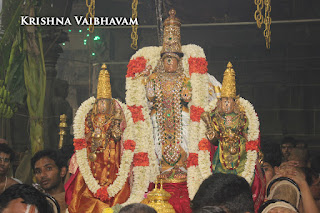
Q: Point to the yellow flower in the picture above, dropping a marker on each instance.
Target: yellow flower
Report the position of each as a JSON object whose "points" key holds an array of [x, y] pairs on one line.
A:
{"points": [[107, 210]]}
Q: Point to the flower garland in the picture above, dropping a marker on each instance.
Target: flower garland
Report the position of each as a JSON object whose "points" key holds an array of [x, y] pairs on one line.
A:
{"points": [[253, 137], [194, 64], [102, 193]]}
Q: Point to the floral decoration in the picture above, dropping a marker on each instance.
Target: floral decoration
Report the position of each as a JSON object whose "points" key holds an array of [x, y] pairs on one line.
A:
{"points": [[82, 158], [136, 65], [204, 144], [136, 112], [79, 143], [141, 159], [253, 145], [253, 137], [107, 210], [102, 194], [195, 113], [192, 160], [198, 65], [129, 145]]}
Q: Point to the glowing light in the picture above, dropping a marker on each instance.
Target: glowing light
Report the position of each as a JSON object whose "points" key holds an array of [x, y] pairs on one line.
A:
{"points": [[69, 30], [93, 54], [96, 38], [63, 44], [80, 31]]}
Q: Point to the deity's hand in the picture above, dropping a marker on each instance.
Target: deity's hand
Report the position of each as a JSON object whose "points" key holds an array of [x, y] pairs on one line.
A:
{"points": [[145, 72], [116, 131], [210, 134]]}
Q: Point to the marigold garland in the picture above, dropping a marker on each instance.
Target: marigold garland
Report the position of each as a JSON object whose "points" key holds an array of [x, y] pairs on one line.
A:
{"points": [[79, 143], [204, 144], [136, 112], [141, 159], [192, 160], [197, 65], [136, 65], [195, 113], [129, 145]]}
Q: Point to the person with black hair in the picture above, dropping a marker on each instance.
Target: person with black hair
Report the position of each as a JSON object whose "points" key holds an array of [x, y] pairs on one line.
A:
{"points": [[137, 208], [287, 144], [6, 157], [271, 159], [21, 198], [230, 192], [50, 169]]}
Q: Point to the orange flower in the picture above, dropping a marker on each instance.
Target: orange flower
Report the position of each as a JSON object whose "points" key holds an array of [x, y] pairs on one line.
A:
{"points": [[253, 145], [136, 65], [79, 143], [136, 112], [197, 65], [195, 113], [129, 145], [192, 160], [204, 144], [102, 194], [141, 159]]}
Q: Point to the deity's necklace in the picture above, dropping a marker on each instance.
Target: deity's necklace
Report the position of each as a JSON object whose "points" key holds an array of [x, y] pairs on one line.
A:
{"points": [[224, 130], [169, 114]]}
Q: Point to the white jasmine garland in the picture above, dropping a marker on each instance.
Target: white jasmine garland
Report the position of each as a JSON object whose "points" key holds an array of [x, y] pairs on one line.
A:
{"points": [[253, 134], [82, 158], [135, 95]]}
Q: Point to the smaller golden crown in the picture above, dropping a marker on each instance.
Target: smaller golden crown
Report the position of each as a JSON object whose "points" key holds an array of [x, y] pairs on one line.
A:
{"points": [[228, 89], [171, 36], [104, 86]]}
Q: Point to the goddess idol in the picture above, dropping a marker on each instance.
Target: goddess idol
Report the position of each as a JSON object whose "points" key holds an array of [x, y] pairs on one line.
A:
{"points": [[167, 88], [101, 178], [233, 125]]}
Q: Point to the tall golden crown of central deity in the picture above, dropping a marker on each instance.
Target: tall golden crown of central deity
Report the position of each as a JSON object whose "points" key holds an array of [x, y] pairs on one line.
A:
{"points": [[171, 36], [228, 89], [104, 86]]}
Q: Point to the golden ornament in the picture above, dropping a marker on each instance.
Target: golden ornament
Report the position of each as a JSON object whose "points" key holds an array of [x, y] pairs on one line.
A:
{"points": [[104, 86], [228, 89], [171, 36], [158, 199]]}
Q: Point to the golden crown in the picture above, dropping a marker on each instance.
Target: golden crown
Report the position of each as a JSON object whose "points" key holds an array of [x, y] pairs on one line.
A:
{"points": [[228, 89], [104, 86], [171, 35]]}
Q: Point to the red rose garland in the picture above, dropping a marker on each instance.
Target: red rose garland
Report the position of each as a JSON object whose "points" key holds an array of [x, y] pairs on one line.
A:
{"points": [[141, 159], [136, 112], [129, 145], [253, 145], [195, 113], [102, 194], [197, 65], [136, 65], [192, 160], [204, 145], [79, 144]]}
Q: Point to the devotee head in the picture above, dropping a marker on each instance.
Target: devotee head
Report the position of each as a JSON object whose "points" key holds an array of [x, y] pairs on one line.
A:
{"points": [[49, 169], [227, 191], [6, 157], [137, 208], [22, 198], [287, 144], [210, 209], [271, 159], [3, 141]]}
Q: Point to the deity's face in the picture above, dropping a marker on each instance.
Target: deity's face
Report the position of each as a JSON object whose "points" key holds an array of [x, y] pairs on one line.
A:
{"points": [[227, 105], [103, 106], [170, 64]]}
